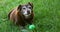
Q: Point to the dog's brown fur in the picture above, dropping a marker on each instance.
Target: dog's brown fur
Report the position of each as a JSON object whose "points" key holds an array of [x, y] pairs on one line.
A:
{"points": [[18, 18]]}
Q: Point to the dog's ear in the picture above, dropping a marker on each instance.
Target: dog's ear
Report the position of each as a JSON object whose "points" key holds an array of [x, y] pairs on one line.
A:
{"points": [[31, 4], [19, 7]]}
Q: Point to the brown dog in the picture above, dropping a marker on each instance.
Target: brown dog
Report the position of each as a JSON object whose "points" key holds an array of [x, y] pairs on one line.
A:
{"points": [[22, 14]]}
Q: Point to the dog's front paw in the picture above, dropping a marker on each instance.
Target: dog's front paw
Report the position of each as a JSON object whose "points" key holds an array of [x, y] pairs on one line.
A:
{"points": [[24, 30]]}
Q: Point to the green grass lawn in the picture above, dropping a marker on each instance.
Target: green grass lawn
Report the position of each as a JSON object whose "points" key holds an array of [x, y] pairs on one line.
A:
{"points": [[46, 19]]}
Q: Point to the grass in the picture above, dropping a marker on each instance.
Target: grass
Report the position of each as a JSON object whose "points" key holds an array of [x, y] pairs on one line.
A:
{"points": [[46, 19]]}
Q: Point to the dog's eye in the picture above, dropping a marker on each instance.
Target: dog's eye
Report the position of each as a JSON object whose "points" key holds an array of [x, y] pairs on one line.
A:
{"points": [[29, 7], [23, 8]]}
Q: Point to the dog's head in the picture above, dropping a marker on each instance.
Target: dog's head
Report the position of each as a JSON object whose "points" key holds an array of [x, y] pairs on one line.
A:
{"points": [[26, 9]]}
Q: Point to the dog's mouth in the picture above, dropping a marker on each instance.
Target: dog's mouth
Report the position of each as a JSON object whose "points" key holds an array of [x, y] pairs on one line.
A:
{"points": [[27, 16]]}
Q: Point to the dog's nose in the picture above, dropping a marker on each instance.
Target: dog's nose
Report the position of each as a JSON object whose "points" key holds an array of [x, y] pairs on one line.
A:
{"points": [[28, 12]]}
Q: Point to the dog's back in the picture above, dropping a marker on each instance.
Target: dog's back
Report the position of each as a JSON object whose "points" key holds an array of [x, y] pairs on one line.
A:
{"points": [[12, 14]]}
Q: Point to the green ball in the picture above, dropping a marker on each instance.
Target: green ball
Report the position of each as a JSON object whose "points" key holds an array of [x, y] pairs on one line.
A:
{"points": [[32, 27]]}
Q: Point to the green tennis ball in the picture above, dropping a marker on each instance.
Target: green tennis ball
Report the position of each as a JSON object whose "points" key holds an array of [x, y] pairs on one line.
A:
{"points": [[31, 27]]}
